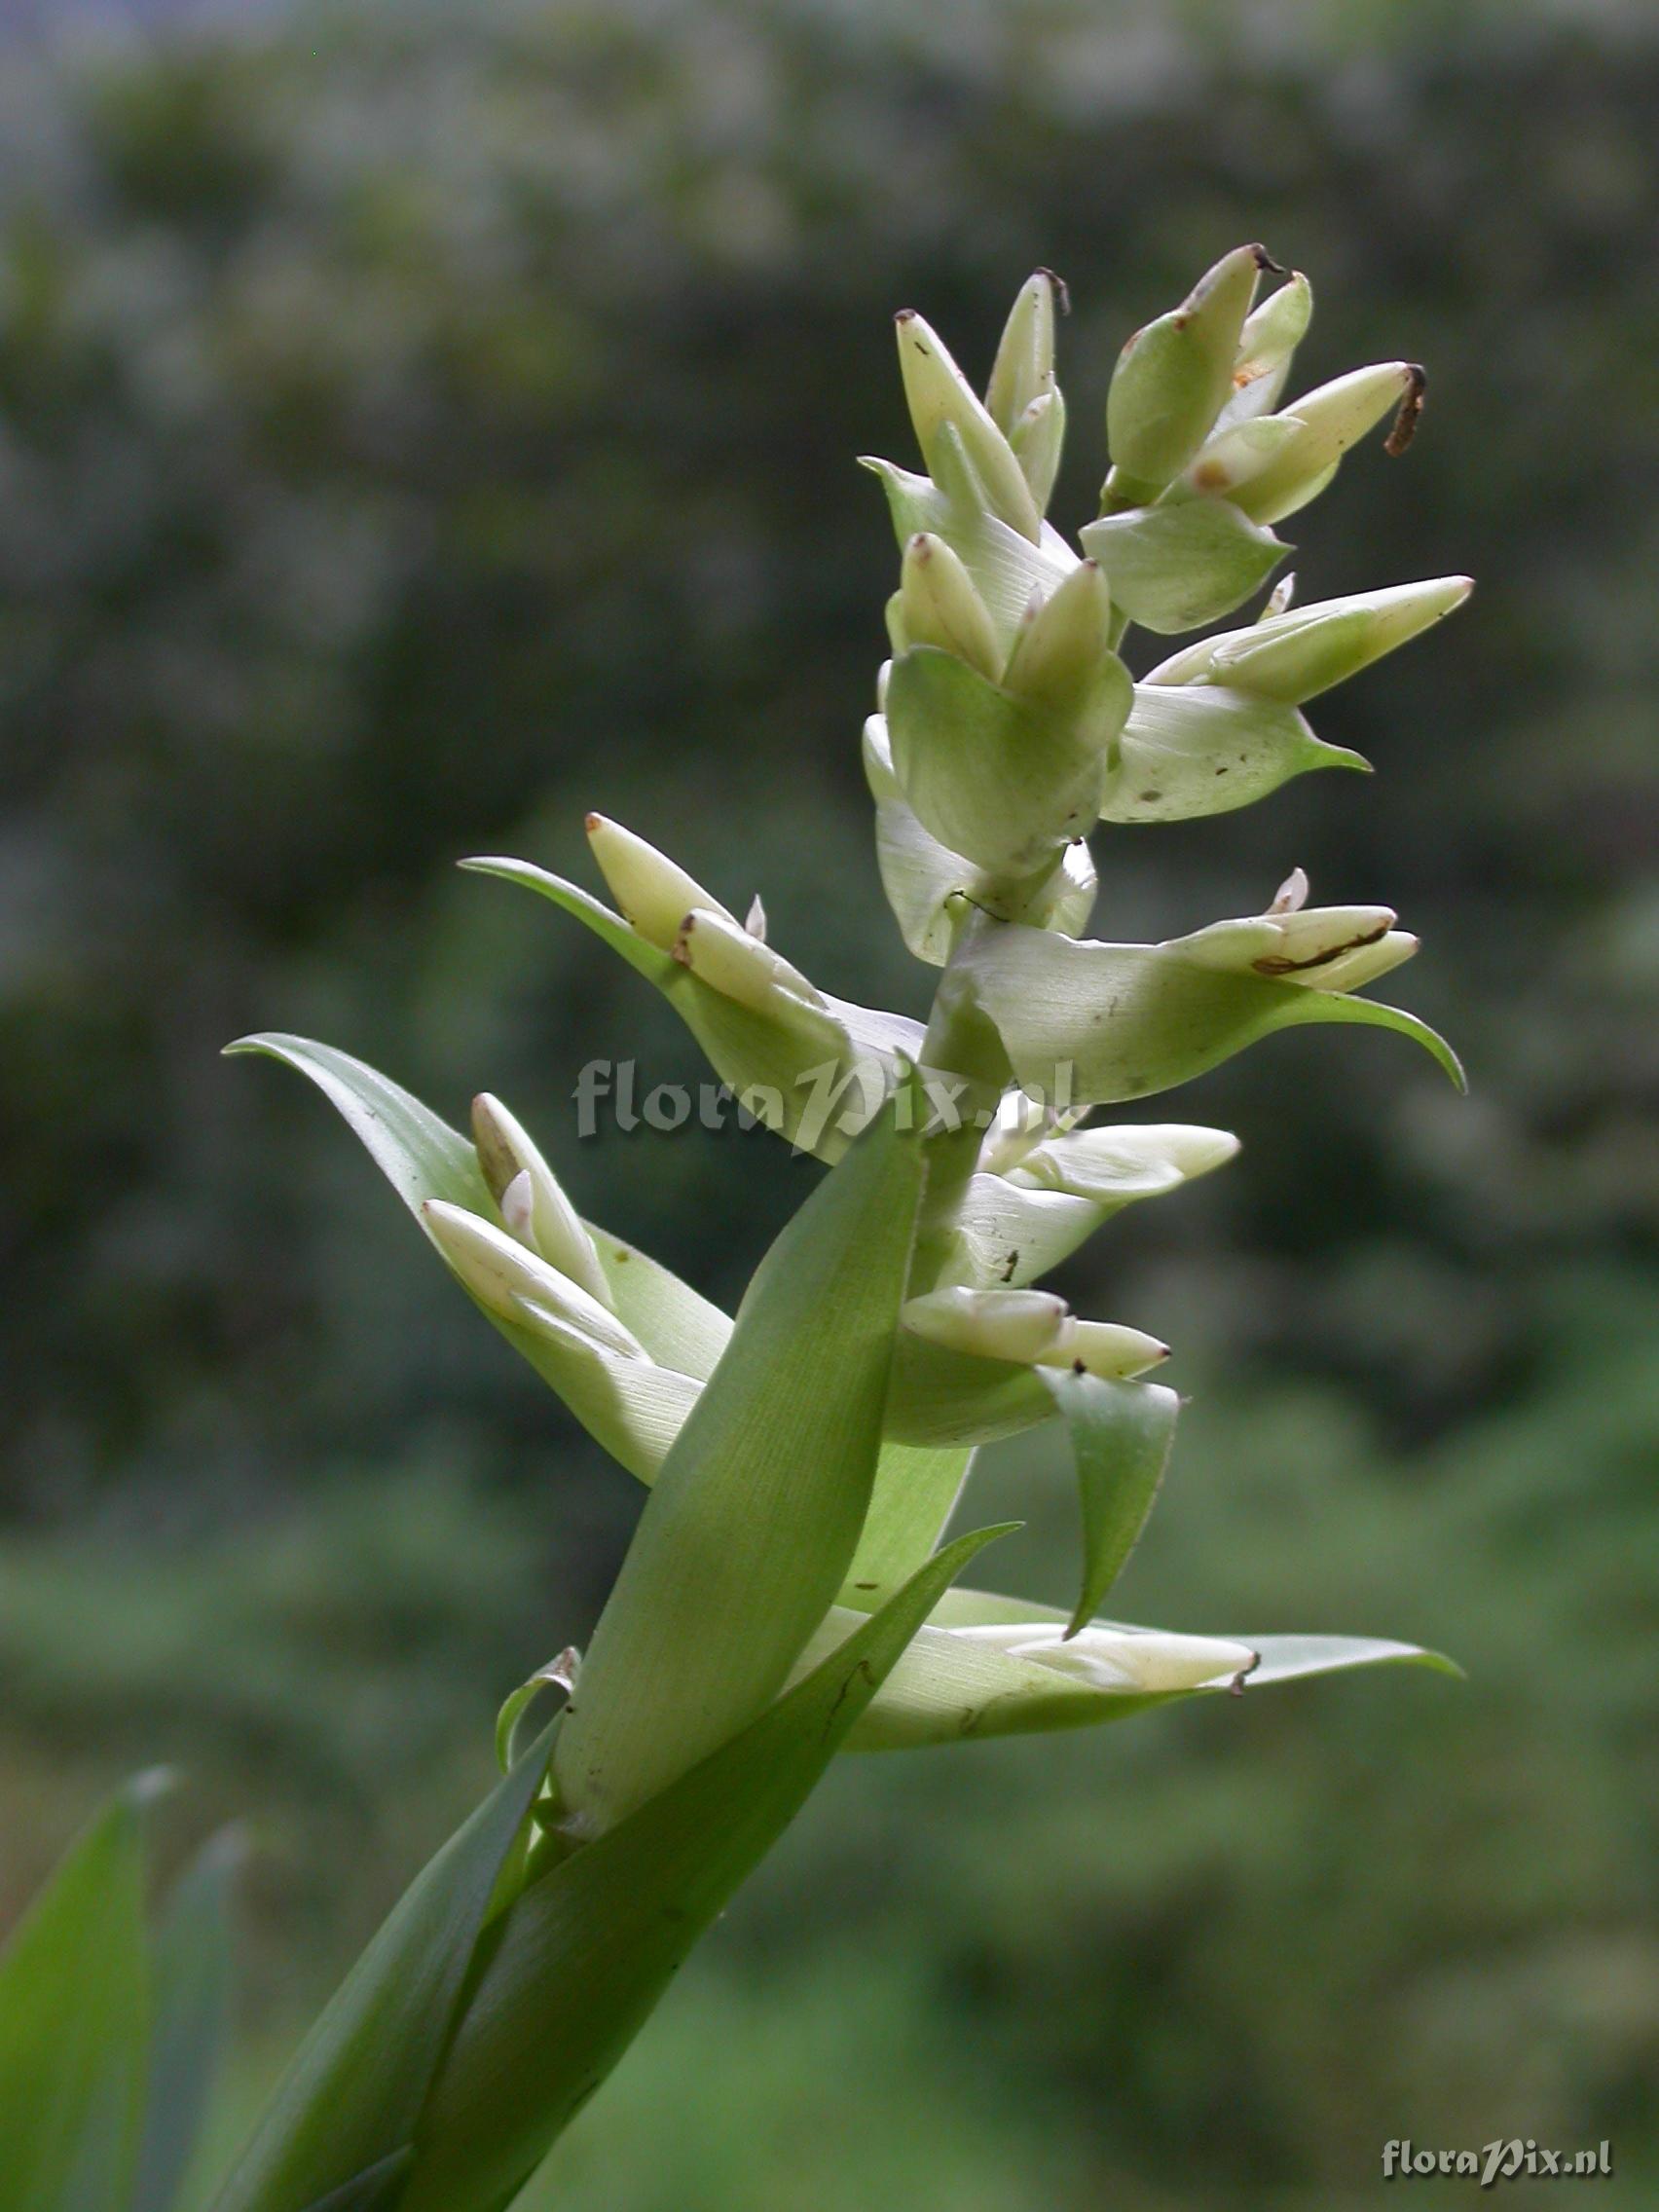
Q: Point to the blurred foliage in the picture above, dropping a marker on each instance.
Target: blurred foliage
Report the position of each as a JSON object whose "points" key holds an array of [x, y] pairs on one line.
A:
{"points": [[419, 426]]}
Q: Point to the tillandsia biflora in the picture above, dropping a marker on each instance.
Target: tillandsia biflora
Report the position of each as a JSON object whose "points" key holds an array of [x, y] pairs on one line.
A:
{"points": [[788, 1593]]}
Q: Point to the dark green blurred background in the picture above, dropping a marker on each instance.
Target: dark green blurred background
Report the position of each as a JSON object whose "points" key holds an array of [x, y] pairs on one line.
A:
{"points": [[419, 424]]}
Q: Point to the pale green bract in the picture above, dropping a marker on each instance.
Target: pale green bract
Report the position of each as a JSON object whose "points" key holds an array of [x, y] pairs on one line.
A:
{"points": [[788, 1592]]}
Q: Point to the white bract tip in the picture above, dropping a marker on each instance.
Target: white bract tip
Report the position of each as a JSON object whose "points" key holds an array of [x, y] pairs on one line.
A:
{"points": [[1107, 1349], [1328, 422], [939, 606], [721, 953], [1174, 377], [940, 399], [1144, 1662], [649, 890], [531, 1199], [1111, 1166], [500, 1271], [1295, 655]]}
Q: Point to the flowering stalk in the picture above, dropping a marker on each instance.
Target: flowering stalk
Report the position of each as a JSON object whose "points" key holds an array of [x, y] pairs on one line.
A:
{"points": [[786, 1594]]}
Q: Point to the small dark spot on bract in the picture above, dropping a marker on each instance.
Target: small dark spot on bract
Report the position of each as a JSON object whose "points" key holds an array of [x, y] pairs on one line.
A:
{"points": [[1148, 797], [624, 1255]]}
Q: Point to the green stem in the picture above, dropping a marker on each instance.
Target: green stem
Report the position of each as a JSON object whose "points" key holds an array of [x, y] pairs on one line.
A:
{"points": [[962, 1046]]}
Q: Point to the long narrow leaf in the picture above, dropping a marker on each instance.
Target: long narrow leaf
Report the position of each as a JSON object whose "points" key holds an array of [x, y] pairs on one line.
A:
{"points": [[74, 2002], [757, 1512], [587, 1950], [349, 2104], [191, 1979]]}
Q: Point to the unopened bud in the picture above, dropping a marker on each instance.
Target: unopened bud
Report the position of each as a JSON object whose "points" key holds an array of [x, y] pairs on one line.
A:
{"points": [[1061, 646], [1173, 378], [1106, 1349], [652, 892], [500, 1273], [939, 606], [1295, 655], [533, 1202], [1331, 419], [1024, 368], [940, 397], [1110, 1166], [1360, 963], [1037, 438], [1238, 454], [1267, 344], [1018, 1325], [723, 954], [1308, 937]]}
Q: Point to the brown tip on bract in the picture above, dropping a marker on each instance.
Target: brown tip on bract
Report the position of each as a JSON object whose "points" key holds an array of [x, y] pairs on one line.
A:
{"points": [[1266, 262], [1063, 290], [592, 822], [1409, 413]]}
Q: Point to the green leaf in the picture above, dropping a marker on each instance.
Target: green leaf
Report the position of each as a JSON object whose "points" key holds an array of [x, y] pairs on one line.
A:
{"points": [[1202, 749], [942, 1397], [758, 1509], [1294, 1658], [348, 2106], [73, 2023], [1182, 563], [1122, 1434], [815, 1074], [587, 1950], [191, 1980], [913, 1495], [1089, 1024], [990, 776]]}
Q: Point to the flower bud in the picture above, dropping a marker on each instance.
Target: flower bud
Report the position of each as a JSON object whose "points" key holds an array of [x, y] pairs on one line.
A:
{"points": [[652, 893], [1173, 378], [1295, 655], [937, 606], [1105, 1347], [1308, 937], [1018, 1325], [721, 953], [1267, 344], [1062, 647], [533, 1204], [1360, 963], [1240, 452], [1331, 419], [1037, 439], [1024, 368], [501, 1273], [941, 398], [1113, 1166]]}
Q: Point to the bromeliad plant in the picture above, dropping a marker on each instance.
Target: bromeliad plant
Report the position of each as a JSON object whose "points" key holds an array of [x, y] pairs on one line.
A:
{"points": [[787, 1595]]}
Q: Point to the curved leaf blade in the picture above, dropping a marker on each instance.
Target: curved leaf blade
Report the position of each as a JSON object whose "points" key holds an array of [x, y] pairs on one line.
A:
{"points": [[586, 1951], [342, 2116]]}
